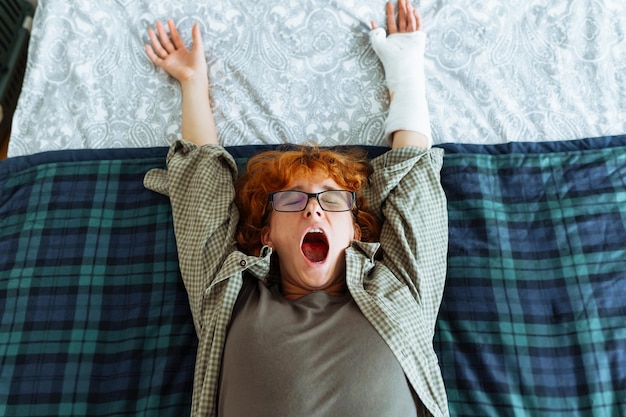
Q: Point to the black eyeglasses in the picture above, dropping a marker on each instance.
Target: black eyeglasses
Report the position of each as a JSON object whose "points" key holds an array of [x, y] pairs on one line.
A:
{"points": [[331, 200]]}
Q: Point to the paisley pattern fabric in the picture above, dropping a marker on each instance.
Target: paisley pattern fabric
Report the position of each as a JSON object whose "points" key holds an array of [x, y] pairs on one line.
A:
{"points": [[303, 70]]}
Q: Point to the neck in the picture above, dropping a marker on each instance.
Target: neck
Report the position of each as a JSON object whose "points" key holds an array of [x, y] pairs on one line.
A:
{"points": [[294, 292]]}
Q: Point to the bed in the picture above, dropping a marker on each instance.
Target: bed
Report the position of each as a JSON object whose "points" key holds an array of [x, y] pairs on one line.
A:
{"points": [[527, 101]]}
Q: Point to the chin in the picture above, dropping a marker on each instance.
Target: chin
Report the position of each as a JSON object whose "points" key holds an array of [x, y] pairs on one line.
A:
{"points": [[320, 276]]}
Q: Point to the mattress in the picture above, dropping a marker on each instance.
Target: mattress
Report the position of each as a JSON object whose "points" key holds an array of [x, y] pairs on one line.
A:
{"points": [[296, 71]]}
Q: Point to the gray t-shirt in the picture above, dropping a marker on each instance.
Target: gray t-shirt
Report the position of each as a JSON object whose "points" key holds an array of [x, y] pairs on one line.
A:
{"points": [[316, 356]]}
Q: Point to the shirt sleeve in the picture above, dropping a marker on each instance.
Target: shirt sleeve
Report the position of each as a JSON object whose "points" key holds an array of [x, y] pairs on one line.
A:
{"points": [[406, 195], [199, 182]]}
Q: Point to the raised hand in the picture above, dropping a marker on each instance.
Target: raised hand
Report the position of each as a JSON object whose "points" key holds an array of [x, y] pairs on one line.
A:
{"points": [[170, 53]]}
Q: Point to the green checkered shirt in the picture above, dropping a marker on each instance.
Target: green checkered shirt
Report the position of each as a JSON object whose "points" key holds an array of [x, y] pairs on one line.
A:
{"points": [[400, 295]]}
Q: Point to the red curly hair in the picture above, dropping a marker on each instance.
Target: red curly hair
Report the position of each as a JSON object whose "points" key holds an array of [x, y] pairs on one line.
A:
{"points": [[273, 171]]}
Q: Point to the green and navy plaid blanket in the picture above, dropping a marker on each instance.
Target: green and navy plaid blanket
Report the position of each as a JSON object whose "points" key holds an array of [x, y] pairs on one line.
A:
{"points": [[95, 322]]}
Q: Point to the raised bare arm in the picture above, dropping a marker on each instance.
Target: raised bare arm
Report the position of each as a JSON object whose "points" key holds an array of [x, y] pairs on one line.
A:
{"points": [[189, 67]]}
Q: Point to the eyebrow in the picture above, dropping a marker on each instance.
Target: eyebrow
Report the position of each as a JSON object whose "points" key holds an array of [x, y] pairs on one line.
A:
{"points": [[324, 188]]}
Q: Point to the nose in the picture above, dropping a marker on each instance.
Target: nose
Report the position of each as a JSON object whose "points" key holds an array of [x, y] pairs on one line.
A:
{"points": [[313, 207]]}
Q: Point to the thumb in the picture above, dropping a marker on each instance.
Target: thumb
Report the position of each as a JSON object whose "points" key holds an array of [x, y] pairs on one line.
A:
{"points": [[378, 39], [196, 37]]}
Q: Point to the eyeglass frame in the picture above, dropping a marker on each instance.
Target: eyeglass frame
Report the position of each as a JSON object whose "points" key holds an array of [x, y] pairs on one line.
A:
{"points": [[270, 199]]}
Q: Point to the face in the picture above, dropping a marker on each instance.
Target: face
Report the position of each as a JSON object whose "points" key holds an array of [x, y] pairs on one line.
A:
{"points": [[311, 244]]}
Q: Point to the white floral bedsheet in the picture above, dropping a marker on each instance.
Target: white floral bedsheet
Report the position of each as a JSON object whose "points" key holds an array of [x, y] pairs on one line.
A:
{"points": [[297, 70]]}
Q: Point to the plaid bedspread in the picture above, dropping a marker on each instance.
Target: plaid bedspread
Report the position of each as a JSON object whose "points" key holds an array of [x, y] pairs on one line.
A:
{"points": [[95, 322], [533, 321]]}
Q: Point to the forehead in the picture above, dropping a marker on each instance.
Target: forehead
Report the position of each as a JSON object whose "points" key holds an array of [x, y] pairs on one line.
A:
{"points": [[313, 183]]}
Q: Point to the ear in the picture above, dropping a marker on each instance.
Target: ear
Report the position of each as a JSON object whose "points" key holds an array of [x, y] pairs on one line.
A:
{"points": [[265, 236], [357, 232]]}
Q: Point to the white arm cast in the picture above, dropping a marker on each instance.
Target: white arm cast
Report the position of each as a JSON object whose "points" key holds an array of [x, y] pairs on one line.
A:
{"points": [[402, 56]]}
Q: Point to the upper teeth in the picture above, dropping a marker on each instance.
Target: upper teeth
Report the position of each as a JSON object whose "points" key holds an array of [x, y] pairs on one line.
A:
{"points": [[316, 230]]}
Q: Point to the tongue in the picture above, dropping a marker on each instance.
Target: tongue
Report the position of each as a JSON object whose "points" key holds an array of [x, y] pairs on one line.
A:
{"points": [[314, 252]]}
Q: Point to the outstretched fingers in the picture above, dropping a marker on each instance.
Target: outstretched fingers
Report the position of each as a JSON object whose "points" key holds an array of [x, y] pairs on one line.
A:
{"points": [[175, 36], [154, 49], [161, 46], [408, 19], [164, 40]]}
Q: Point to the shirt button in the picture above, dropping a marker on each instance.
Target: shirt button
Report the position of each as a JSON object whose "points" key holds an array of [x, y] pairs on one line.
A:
{"points": [[242, 262]]}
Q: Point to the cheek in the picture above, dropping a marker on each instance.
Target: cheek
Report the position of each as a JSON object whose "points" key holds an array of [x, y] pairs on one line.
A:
{"points": [[278, 233], [348, 229]]}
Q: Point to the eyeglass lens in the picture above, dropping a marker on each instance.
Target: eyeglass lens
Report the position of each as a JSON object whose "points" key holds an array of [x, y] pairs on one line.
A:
{"points": [[331, 200]]}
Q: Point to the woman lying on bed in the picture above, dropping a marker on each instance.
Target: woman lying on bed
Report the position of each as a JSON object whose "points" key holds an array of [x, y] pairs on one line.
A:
{"points": [[302, 303]]}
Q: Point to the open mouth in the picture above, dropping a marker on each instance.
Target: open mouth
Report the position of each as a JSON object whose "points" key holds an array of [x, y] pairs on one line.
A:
{"points": [[315, 246]]}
